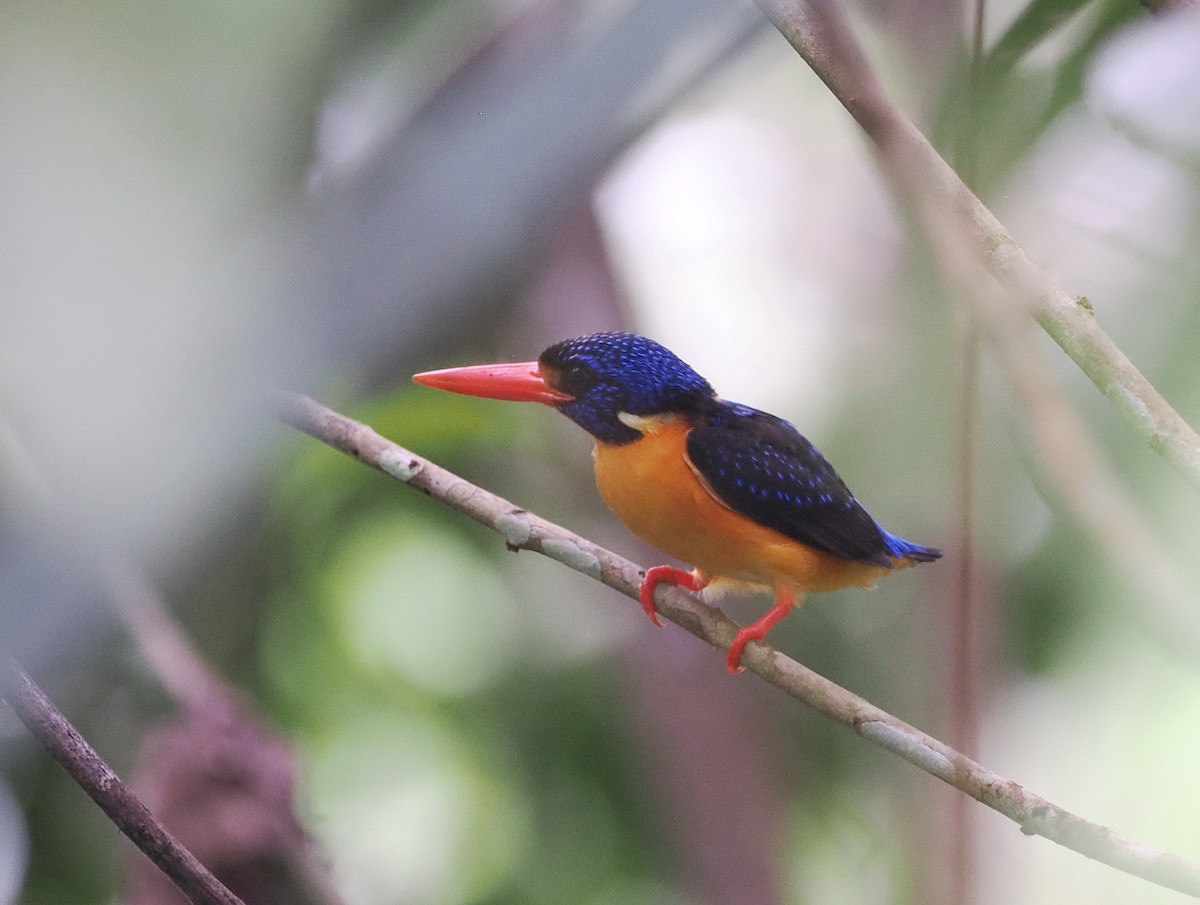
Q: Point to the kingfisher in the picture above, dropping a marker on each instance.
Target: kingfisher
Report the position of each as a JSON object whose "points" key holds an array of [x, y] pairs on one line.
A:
{"points": [[738, 494]]}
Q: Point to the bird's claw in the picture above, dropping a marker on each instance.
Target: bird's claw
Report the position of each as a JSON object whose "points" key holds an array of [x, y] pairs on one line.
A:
{"points": [[733, 662], [757, 631], [664, 575]]}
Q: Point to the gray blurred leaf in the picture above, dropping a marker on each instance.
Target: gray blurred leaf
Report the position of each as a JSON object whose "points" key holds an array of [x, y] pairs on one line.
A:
{"points": [[1147, 83]]}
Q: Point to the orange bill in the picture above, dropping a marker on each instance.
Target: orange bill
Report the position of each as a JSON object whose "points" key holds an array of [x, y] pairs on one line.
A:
{"points": [[517, 382]]}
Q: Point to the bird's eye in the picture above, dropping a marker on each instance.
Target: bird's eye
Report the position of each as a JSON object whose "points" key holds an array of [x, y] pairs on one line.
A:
{"points": [[577, 378]]}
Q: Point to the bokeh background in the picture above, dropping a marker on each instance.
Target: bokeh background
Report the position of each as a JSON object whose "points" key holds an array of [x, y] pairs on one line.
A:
{"points": [[203, 204]]}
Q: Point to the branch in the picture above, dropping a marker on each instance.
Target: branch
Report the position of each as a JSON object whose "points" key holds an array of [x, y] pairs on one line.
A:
{"points": [[185, 675], [918, 173], [64, 743], [523, 530]]}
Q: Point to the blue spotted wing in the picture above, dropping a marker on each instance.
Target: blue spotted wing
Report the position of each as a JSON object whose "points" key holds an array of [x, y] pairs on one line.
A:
{"points": [[762, 467]]}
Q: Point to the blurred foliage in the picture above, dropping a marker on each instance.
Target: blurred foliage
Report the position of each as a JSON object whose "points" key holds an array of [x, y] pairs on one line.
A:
{"points": [[479, 728], [997, 107]]}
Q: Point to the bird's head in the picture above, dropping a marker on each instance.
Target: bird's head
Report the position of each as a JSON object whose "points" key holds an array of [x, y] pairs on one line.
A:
{"points": [[613, 385]]}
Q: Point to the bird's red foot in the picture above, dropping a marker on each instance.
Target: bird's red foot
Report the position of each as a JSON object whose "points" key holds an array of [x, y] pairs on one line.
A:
{"points": [[757, 631], [669, 575]]}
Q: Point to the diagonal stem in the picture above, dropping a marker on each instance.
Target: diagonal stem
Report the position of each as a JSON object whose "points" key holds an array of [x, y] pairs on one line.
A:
{"points": [[63, 742]]}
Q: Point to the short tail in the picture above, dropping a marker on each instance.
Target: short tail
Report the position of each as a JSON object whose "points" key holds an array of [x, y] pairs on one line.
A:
{"points": [[903, 549]]}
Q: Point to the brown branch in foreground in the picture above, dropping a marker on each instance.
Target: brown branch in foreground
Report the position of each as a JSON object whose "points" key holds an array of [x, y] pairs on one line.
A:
{"points": [[526, 531], [70, 749]]}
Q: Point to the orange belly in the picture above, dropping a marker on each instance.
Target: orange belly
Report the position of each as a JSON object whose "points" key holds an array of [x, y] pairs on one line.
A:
{"points": [[652, 488]]}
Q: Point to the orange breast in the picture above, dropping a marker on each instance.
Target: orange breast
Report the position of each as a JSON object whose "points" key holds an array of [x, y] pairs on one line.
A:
{"points": [[652, 488]]}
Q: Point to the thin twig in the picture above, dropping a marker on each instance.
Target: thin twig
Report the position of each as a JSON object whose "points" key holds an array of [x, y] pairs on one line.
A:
{"points": [[525, 531], [186, 676], [182, 671], [64, 743], [965, 611], [819, 34]]}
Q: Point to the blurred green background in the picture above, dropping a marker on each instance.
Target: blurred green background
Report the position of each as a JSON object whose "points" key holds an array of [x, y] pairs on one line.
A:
{"points": [[205, 203]]}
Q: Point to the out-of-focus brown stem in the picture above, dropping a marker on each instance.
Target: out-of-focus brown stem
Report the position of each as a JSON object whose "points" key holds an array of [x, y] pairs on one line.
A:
{"points": [[71, 750]]}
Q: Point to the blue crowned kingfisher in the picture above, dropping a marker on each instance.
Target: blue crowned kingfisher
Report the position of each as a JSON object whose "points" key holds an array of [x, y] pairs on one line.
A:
{"points": [[735, 492]]}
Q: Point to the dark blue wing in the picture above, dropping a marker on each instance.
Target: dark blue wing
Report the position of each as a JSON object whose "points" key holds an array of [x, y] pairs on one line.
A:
{"points": [[760, 466]]}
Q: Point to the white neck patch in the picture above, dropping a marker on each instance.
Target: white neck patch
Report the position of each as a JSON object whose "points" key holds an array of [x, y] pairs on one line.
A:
{"points": [[645, 424]]}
